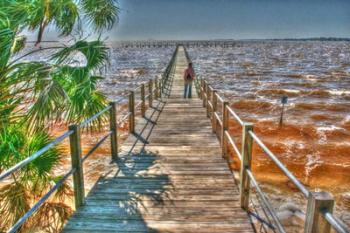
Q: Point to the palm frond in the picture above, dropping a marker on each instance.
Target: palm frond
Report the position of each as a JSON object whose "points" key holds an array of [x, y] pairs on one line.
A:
{"points": [[6, 42], [13, 14], [95, 52], [19, 44], [50, 217], [66, 13], [64, 192], [47, 106], [84, 98], [12, 142], [41, 166], [13, 197], [101, 14], [36, 13]]}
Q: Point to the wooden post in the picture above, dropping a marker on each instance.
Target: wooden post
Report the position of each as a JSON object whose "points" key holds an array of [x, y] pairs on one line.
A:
{"points": [[114, 129], [247, 149], [150, 90], [208, 100], [132, 112], [201, 89], [224, 128], [204, 91], [160, 88], [143, 100], [215, 108], [78, 176], [164, 83], [317, 202], [156, 89]]}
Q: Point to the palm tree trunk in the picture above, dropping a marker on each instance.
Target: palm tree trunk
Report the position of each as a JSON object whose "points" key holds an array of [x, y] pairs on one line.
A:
{"points": [[40, 33]]}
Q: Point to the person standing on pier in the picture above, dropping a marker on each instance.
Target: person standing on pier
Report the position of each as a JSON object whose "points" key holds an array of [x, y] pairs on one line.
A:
{"points": [[189, 76]]}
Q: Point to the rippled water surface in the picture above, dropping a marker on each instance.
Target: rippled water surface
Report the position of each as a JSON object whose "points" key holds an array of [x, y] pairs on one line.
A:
{"points": [[314, 141]]}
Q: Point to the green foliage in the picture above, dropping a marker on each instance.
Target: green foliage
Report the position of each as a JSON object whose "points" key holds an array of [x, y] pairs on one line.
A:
{"points": [[43, 165], [19, 44], [36, 94], [100, 13], [95, 53], [64, 15], [13, 197], [10, 148], [6, 42], [16, 146]]}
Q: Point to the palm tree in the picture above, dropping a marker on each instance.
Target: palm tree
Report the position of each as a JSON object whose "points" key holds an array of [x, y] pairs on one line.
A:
{"points": [[34, 94], [64, 15], [32, 182]]}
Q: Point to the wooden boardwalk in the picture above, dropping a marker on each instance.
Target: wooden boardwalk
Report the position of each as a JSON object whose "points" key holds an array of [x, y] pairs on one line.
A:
{"points": [[170, 176]]}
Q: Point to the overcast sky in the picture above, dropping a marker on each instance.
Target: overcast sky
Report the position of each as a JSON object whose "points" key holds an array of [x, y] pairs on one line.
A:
{"points": [[230, 19]]}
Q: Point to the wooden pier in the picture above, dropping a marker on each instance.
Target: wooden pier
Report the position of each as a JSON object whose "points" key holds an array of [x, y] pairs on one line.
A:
{"points": [[174, 43], [172, 174], [170, 177]]}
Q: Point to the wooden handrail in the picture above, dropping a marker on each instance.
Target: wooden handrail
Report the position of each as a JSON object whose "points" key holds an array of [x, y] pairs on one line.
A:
{"points": [[313, 223], [319, 216], [279, 164], [75, 144], [31, 158], [336, 223]]}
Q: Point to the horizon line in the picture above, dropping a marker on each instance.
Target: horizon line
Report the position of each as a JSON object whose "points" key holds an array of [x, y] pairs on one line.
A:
{"points": [[205, 40]]}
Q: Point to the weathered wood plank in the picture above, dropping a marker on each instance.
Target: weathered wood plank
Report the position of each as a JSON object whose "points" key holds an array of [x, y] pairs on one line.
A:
{"points": [[169, 177]]}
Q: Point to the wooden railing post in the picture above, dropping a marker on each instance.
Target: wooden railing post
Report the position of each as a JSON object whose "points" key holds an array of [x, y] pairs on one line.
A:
{"points": [[160, 88], [156, 89], [201, 88], [78, 176], [224, 128], [318, 202], [247, 149], [215, 108], [204, 95], [132, 112], [164, 83], [143, 100], [114, 129], [150, 89], [208, 100]]}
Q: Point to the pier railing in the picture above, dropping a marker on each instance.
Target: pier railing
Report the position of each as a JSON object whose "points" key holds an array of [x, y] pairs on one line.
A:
{"points": [[320, 205], [156, 89]]}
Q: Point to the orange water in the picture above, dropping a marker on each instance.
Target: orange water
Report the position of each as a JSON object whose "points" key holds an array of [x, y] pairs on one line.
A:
{"points": [[314, 141]]}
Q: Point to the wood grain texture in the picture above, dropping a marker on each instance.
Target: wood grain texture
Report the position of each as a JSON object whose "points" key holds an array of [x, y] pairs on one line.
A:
{"points": [[169, 177]]}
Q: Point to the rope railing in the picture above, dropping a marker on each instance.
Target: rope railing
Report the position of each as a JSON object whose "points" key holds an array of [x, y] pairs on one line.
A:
{"points": [[319, 215], [156, 88]]}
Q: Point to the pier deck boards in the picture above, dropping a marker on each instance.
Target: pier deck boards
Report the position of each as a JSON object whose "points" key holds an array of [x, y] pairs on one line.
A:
{"points": [[170, 177]]}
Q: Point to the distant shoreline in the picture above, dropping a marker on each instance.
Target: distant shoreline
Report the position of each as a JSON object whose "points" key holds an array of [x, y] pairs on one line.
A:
{"points": [[220, 40]]}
